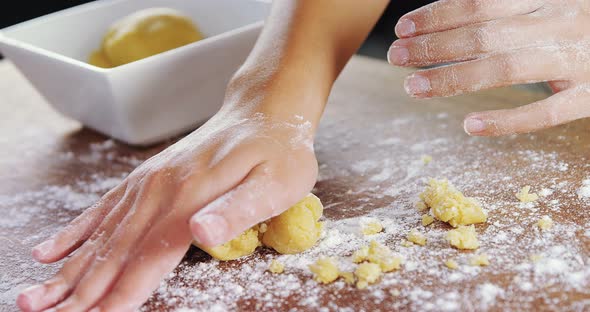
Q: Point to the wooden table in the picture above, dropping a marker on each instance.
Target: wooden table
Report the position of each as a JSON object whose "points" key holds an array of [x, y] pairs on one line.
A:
{"points": [[369, 147]]}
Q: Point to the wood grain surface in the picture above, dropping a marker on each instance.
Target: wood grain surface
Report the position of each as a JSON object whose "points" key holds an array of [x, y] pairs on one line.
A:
{"points": [[369, 147]]}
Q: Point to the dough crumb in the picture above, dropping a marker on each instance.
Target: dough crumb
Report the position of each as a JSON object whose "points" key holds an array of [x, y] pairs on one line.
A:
{"points": [[348, 277], [367, 273], [463, 237], [421, 206], [450, 205], [378, 254], [325, 270], [360, 255], [395, 292], [407, 243], [427, 220], [426, 159], [262, 228], [451, 264], [416, 237], [371, 227], [545, 223], [276, 267], [481, 260], [525, 197]]}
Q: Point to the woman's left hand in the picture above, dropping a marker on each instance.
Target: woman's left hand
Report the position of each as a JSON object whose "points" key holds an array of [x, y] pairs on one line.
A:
{"points": [[496, 43]]}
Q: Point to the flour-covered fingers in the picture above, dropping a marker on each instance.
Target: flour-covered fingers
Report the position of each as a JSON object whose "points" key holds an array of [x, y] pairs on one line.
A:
{"points": [[519, 67], [479, 40], [51, 292], [157, 255], [561, 108], [79, 230], [449, 14], [115, 253]]}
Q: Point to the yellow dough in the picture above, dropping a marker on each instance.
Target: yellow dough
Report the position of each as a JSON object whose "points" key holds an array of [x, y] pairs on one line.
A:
{"points": [[545, 223], [143, 34], [367, 273], [416, 237], [463, 237], [525, 197], [276, 267], [238, 247], [325, 270], [480, 260], [427, 220], [378, 254], [371, 227], [296, 229], [293, 231], [451, 264], [450, 205]]}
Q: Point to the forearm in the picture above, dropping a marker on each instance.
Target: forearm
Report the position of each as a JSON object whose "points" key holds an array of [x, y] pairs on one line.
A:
{"points": [[301, 51]]}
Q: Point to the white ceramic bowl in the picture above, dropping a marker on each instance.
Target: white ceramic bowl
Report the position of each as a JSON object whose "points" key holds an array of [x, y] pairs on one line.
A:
{"points": [[146, 101]]}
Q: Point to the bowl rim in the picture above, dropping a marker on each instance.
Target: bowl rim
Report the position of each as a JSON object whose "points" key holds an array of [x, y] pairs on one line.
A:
{"points": [[6, 39]]}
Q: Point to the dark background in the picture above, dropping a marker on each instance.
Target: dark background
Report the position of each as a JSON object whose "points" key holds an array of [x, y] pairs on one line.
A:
{"points": [[376, 45]]}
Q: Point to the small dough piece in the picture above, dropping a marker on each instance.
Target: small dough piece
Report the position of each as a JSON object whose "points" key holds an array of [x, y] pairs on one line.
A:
{"points": [[525, 197], [371, 227], [367, 273], [407, 243], [426, 159], [463, 237], [452, 264], [536, 257], [361, 255], [144, 33], [450, 205], [416, 237], [348, 277], [545, 223], [427, 220], [276, 267], [238, 247], [325, 270], [296, 229], [480, 260], [378, 254], [421, 206]]}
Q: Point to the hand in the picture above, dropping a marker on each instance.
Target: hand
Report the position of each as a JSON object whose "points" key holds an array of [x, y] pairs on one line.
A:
{"points": [[495, 43], [242, 167]]}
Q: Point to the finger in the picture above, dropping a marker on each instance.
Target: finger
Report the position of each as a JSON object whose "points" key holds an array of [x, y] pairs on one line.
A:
{"points": [[563, 107], [159, 253], [479, 40], [260, 196], [449, 14], [518, 67], [115, 253], [46, 295], [76, 232]]}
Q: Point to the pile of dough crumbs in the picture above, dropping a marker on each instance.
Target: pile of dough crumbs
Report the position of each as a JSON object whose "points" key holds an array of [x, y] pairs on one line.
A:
{"points": [[525, 253]]}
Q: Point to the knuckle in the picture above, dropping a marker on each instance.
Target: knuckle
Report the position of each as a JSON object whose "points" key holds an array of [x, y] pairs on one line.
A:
{"points": [[480, 38], [508, 67], [476, 7]]}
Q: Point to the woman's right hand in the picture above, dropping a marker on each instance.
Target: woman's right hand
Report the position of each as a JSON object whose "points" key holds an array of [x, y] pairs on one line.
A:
{"points": [[243, 166]]}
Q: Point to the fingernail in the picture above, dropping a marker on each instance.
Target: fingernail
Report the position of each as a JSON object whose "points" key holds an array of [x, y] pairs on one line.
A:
{"points": [[43, 249], [97, 309], [405, 28], [474, 125], [417, 85], [29, 296], [398, 55], [210, 229]]}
